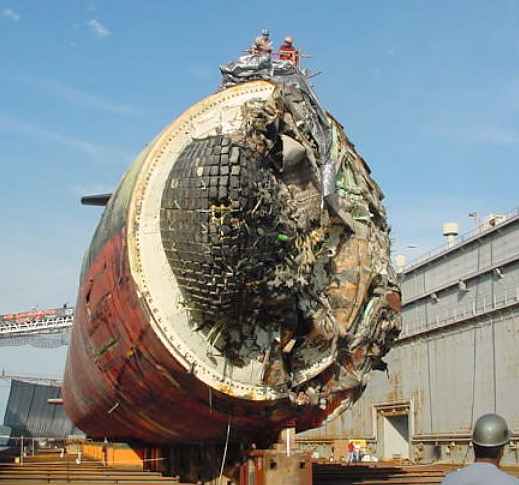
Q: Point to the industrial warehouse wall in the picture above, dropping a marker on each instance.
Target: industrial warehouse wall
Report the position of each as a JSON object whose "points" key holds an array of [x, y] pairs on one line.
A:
{"points": [[484, 250], [28, 412], [456, 360], [445, 381], [478, 278]]}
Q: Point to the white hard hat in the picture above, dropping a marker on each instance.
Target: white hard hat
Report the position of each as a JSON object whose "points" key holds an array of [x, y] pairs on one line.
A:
{"points": [[289, 39]]}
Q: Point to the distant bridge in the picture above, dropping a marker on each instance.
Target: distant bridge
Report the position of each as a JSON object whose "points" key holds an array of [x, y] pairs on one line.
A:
{"points": [[47, 325]]}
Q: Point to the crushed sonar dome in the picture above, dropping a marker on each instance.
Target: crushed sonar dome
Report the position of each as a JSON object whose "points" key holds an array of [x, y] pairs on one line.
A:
{"points": [[241, 269]]}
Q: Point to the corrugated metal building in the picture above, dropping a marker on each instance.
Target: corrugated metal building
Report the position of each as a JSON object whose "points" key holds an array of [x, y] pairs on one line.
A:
{"points": [[457, 357], [29, 414]]}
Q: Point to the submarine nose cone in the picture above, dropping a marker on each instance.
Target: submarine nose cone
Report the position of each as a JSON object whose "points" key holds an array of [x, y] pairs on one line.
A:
{"points": [[224, 230]]}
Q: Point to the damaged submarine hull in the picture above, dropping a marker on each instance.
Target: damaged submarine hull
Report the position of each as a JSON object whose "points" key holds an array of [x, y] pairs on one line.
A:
{"points": [[222, 290]]}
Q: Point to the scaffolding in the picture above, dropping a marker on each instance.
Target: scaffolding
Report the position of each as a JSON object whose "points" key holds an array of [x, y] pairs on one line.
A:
{"points": [[39, 328], [36, 322]]}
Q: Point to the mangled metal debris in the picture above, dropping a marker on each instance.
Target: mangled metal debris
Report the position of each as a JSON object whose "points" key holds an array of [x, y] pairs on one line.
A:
{"points": [[296, 242]]}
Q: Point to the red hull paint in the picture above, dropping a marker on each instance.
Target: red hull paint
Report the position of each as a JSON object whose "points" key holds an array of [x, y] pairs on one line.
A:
{"points": [[121, 382]]}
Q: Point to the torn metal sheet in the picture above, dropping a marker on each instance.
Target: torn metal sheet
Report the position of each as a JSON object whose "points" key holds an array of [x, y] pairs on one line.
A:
{"points": [[307, 272]]}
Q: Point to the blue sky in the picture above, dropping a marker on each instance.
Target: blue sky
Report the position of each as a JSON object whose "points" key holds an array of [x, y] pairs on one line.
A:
{"points": [[427, 90]]}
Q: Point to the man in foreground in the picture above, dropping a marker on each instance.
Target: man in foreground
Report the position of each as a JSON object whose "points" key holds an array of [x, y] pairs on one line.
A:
{"points": [[489, 438]]}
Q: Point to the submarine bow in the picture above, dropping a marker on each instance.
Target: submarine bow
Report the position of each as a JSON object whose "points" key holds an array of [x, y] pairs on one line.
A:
{"points": [[239, 274]]}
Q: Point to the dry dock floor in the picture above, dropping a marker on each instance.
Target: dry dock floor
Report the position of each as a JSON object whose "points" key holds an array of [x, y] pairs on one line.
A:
{"points": [[385, 473], [49, 468]]}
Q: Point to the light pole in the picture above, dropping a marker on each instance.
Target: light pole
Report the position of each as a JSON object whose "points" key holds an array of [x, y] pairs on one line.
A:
{"points": [[400, 258], [476, 217]]}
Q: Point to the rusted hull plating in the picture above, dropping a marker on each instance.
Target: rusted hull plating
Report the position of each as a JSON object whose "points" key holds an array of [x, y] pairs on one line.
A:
{"points": [[120, 381]]}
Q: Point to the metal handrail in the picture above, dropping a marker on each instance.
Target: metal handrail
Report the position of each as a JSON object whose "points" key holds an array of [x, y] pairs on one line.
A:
{"points": [[41, 324], [454, 313], [459, 240], [460, 277]]}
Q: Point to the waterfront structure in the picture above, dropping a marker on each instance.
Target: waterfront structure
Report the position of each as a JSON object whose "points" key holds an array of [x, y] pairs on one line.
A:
{"points": [[455, 359]]}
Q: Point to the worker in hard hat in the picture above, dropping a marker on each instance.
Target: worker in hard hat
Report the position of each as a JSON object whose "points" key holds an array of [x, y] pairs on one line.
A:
{"points": [[262, 45], [489, 438], [287, 51]]}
